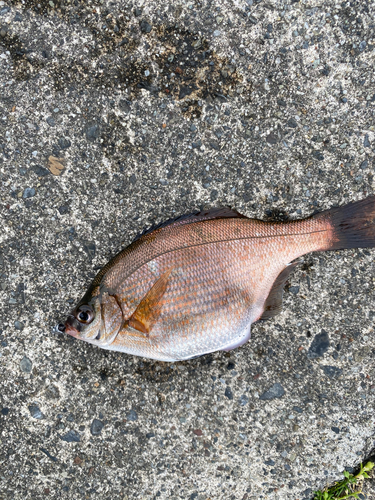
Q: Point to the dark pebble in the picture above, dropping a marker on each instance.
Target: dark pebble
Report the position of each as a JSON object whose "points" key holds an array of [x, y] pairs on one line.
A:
{"points": [[18, 325], [28, 193], [150, 435], [366, 142], [243, 400], [336, 430], [89, 247], [213, 195], [297, 409], [4, 411], [364, 164], [197, 144], [276, 391], [71, 437], [269, 462], [63, 209], [272, 139], [35, 411], [291, 123], [51, 121], [46, 452], [124, 41], [319, 345], [92, 133], [331, 371], [40, 171], [145, 26], [18, 18], [132, 416], [318, 155], [124, 106], [228, 392], [281, 103], [133, 179], [344, 100], [96, 427], [26, 365], [294, 289], [230, 366], [64, 143]]}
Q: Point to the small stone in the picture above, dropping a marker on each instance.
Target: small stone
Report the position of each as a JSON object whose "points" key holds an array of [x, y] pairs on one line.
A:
{"points": [[213, 195], [40, 171], [51, 121], [92, 133], [150, 435], [35, 411], [197, 144], [331, 371], [63, 209], [291, 123], [145, 26], [294, 289], [297, 409], [71, 437], [132, 416], [272, 138], [366, 142], [269, 462], [230, 365], [147, 72], [319, 345], [216, 33], [243, 400], [18, 325], [228, 392], [26, 365], [318, 155], [64, 143], [364, 165], [28, 193], [4, 411], [198, 432], [276, 391], [336, 430], [96, 427]]}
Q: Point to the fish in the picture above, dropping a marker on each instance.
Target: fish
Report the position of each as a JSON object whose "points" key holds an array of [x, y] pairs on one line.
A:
{"points": [[195, 284]]}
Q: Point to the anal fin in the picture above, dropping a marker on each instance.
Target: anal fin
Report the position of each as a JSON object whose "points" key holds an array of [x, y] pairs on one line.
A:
{"points": [[274, 301]]}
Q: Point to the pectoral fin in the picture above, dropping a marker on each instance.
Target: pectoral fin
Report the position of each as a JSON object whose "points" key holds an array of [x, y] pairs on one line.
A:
{"points": [[274, 301], [149, 308]]}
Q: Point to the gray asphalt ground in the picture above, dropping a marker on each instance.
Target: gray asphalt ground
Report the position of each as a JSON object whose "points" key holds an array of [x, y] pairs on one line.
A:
{"points": [[117, 115]]}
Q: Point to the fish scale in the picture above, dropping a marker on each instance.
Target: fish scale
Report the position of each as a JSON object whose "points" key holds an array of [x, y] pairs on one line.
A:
{"points": [[195, 285]]}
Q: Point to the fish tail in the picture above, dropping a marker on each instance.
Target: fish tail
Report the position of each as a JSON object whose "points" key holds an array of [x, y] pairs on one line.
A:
{"points": [[352, 226]]}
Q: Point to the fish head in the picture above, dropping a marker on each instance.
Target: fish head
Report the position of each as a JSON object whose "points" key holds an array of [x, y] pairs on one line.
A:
{"points": [[96, 319]]}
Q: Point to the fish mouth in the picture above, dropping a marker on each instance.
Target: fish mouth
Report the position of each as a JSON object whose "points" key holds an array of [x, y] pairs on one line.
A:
{"points": [[72, 327]]}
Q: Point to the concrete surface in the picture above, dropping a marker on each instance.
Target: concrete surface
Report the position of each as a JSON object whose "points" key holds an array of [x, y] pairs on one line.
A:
{"points": [[117, 115]]}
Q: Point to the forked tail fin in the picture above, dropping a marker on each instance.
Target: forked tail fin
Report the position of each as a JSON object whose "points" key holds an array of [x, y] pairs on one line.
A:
{"points": [[353, 225]]}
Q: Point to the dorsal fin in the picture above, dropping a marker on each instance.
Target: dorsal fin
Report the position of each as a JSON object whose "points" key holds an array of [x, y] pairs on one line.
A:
{"points": [[274, 301], [211, 213], [148, 309]]}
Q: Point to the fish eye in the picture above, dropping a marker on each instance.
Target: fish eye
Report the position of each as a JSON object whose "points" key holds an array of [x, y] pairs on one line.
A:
{"points": [[85, 314]]}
